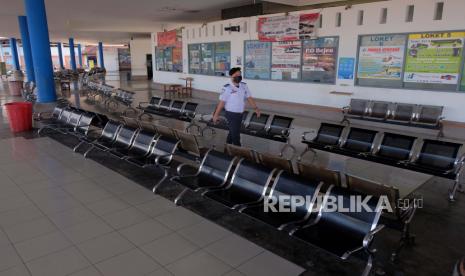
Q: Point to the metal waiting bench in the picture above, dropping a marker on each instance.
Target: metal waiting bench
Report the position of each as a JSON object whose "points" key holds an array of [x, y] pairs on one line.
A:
{"points": [[438, 158], [414, 115]]}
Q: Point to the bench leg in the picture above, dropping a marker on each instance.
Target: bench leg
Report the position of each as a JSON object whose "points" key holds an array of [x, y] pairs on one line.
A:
{"points": [[179, 197], [88, 151], [345, 120], [369, 264], [165, 176], [406, 239], [78, 146]]}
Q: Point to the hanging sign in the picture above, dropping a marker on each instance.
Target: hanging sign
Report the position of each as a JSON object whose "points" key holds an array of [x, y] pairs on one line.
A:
{"points": [[286, 27]]}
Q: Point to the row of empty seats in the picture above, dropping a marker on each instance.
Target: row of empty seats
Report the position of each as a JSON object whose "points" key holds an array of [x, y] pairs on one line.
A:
{"points": [[246, 186], [426, 116], [254, 181], [110, 97], [435, 157]]}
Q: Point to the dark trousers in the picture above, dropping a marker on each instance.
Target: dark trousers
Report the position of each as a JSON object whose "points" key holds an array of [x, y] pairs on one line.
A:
{"points": [[234, 124]]}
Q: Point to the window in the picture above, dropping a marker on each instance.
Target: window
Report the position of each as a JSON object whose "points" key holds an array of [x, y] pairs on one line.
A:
{"points": [[338, 19], [410, 12], [221, 29], [384, 13], [320, 21], [439, 10], [360, 18], [213, 30], [206, 30], [245, 27]]}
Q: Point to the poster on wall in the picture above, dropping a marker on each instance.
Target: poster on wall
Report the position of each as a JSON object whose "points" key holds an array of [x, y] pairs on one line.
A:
{"points": [[168, 59], [124, 59], [176, 55], [206, 61], [285, 60], [346, 68], [257, 60], [194, 58], [381, 57], [434, 57], [159, 59], [319, 59], [222, 58], [286, 27]]}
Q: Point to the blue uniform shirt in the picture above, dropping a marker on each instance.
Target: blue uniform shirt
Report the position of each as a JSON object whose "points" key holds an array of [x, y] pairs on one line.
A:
{"points": [[235, 97]]}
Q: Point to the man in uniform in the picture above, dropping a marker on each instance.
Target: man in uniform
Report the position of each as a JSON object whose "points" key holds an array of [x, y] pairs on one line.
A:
{"points": [[233, 99]]}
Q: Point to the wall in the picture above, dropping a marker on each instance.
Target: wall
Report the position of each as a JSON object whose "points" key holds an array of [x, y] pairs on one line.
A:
{"points": [[140, 47], [320, 94]]}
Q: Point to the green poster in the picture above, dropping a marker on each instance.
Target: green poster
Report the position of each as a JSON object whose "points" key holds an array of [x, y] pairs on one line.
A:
{"points": [[434, 57]]}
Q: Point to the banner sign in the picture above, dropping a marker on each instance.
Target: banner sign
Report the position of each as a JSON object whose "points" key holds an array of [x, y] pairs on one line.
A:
{"points": [[257, 60], [285, 60], [167, 39], [381, 57], [286, 28], [319, 60], [434, 57]]}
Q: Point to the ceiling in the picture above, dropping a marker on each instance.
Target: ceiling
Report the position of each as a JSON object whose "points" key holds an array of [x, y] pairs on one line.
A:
{"points": [[116, 21]]}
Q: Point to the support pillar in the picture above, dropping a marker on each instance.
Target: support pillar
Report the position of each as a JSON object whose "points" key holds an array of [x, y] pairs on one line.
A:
{"points": [[26, 48], [72, 54], [100, 52], [14, 54], [40, 45], [79, 55], [60, 55]]}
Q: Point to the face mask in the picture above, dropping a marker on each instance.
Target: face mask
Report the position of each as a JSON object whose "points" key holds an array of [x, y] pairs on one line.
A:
{"points": [[237, 79]]}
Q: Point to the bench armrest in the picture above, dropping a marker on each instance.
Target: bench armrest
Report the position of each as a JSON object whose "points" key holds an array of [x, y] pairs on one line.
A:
{"points": [[304, 135], [369, 237], [179, 171], [159, 158]]}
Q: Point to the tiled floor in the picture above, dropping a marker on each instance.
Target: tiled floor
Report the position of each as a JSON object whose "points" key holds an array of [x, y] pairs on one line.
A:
{"points": [[57, 217], [61, 212]]}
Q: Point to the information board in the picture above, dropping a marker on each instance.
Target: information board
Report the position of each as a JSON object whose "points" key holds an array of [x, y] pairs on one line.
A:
{"points": [[206, 58], [381, 57], [257, 60], [222, 58], [346, 68], [319, 60], [286, 60], [434, 58], [194, 58]]}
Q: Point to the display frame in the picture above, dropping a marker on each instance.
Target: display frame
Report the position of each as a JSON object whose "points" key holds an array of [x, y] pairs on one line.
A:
{"points": [[454, 88]]}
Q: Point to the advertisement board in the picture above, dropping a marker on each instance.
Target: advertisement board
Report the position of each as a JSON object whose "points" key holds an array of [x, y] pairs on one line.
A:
{"points": [[319, 59], [434, 57], [381, 57], [257, 60], [286, 60]]}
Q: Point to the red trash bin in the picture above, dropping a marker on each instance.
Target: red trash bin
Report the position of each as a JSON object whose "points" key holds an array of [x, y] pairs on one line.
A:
{"points": [[20, 116]]}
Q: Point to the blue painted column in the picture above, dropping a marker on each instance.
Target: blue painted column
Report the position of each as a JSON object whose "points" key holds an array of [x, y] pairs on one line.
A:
{"points": [[72, 54], [14, 53], [26, 48], [79, 55], [40, 45], [100, 52], [60, 55]]}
